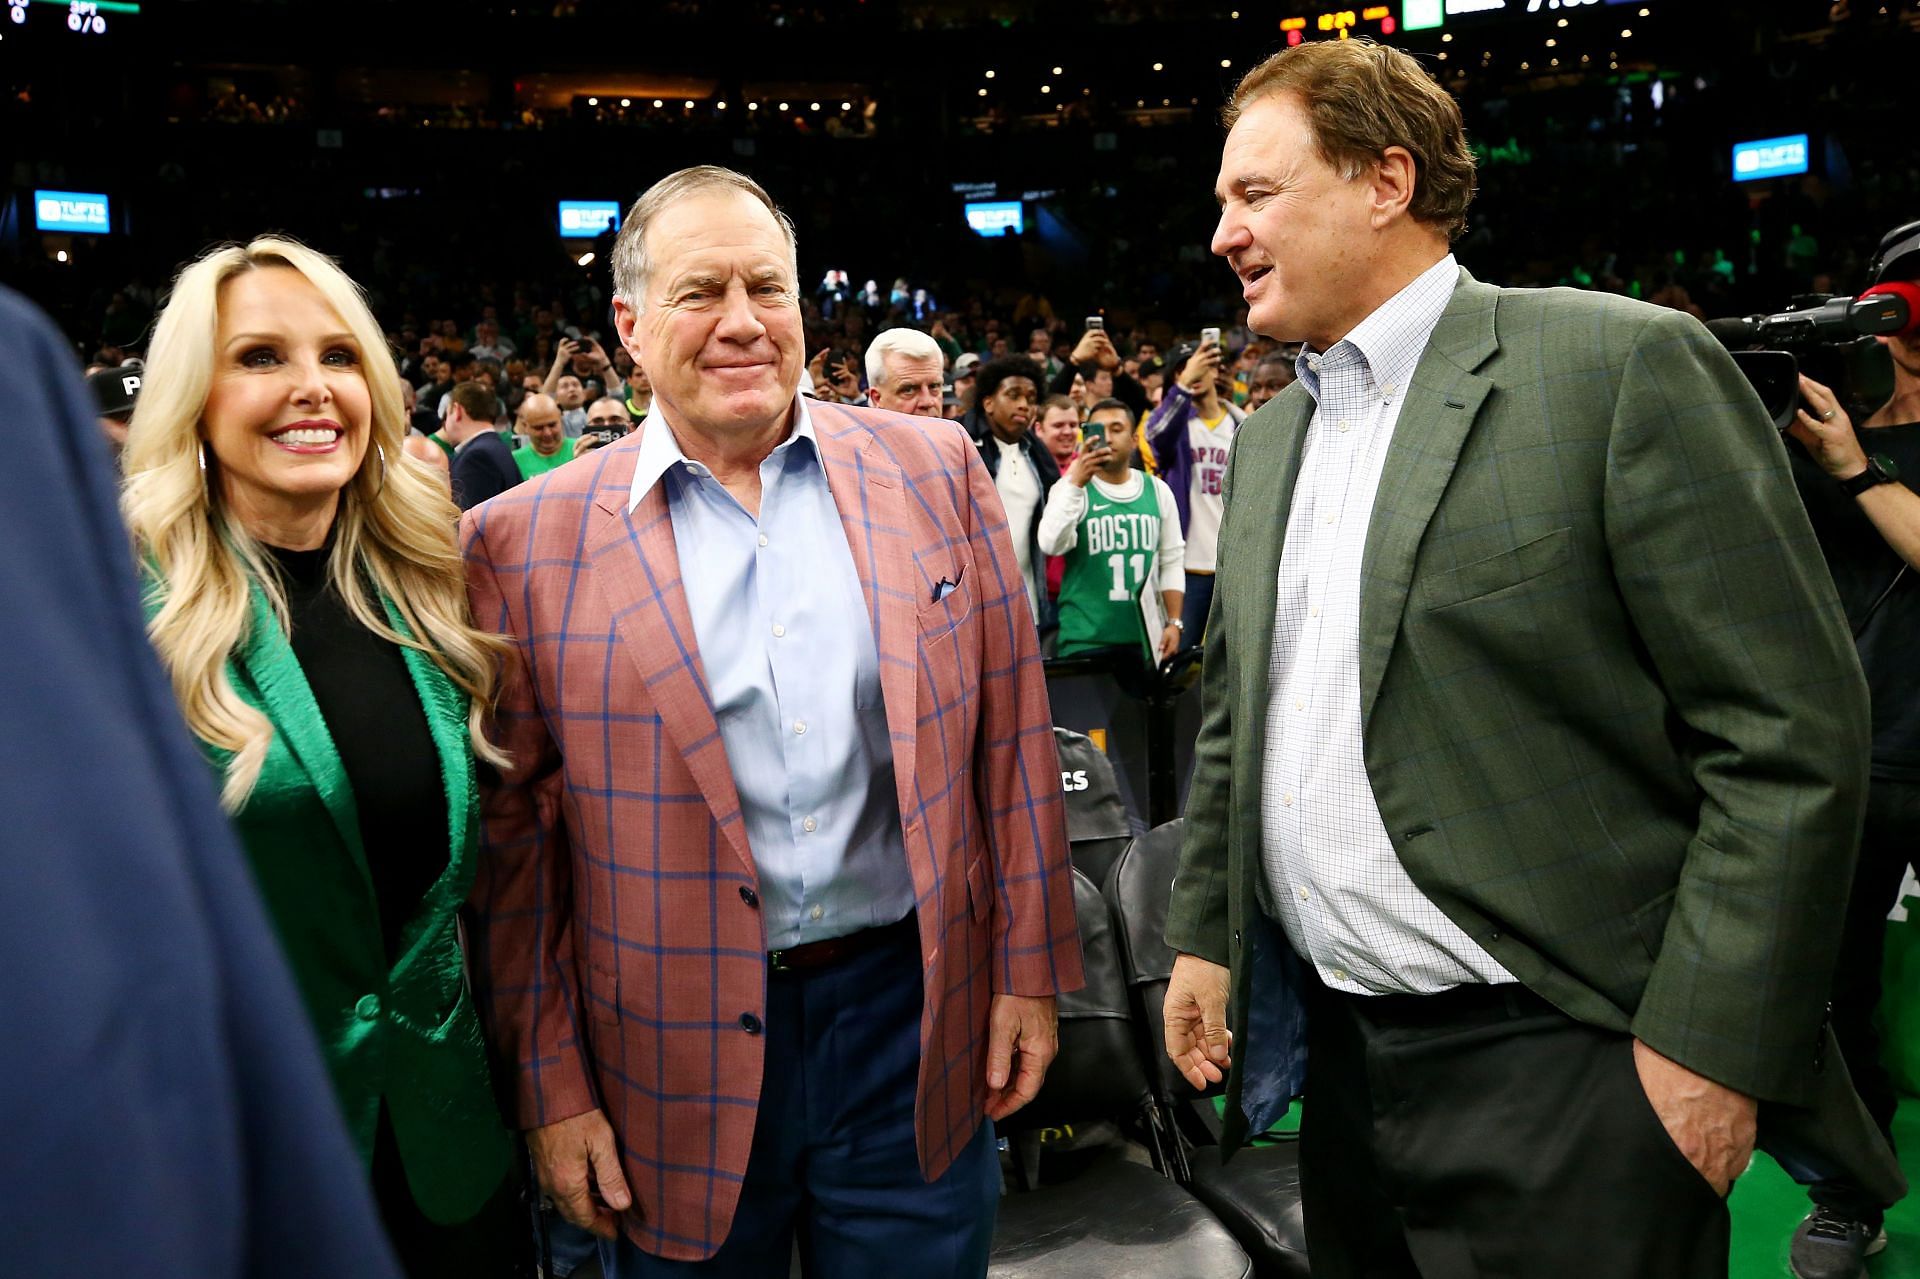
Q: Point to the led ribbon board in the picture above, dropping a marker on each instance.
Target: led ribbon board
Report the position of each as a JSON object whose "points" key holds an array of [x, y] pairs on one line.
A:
{"points": [[82, 211], [585, 219], [996, 217], [1770, 157]]}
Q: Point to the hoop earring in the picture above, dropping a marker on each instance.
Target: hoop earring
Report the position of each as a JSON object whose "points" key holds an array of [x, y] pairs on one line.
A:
{"points": [[203, 457], [381, 487]]}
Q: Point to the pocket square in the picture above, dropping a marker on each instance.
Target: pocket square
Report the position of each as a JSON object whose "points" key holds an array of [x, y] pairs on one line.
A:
{"points": [[945, 587]]}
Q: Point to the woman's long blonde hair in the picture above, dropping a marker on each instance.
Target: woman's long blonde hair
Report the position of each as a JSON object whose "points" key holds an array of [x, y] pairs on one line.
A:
{"points": [[394, 527]]}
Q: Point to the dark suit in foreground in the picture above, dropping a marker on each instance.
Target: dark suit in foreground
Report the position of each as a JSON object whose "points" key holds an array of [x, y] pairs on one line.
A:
{"points": [[165, 1107]]}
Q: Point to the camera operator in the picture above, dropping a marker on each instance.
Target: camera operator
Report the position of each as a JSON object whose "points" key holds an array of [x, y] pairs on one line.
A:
{"points": [[1868, 525]]}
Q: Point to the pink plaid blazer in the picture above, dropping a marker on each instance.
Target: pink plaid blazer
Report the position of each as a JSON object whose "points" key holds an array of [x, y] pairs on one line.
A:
{"points": [[618, 947]]}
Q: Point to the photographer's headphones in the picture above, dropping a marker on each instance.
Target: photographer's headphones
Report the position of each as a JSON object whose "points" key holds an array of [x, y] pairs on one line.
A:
{"points": [[1896, 269]]}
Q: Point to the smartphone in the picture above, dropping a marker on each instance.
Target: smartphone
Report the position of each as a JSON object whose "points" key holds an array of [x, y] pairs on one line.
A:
{"points": [[1097, 322], [1209, 337]]}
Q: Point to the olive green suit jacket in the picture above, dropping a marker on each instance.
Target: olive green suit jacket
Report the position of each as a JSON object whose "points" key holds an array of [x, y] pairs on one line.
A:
{"points": [[404, 1030], [1613, 718]]}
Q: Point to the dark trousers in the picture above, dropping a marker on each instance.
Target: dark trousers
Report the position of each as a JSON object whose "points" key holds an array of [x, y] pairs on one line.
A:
{"points": [[1886, 847], [833, 1165], [1481, 1132], [1193, 608]]}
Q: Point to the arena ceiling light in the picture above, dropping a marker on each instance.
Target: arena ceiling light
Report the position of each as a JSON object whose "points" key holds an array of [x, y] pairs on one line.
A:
{"points": [[627, 102], [585, 259], [593, 102]]}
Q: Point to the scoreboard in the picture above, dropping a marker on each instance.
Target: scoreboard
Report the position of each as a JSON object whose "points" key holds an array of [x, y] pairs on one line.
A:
{"points": [[71, 18], [1377, 20]]}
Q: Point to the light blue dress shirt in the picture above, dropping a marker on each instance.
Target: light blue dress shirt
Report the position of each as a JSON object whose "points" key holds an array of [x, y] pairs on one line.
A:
{"points": [[790, 660]]}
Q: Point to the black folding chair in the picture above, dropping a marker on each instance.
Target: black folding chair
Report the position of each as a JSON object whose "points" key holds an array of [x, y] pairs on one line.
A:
{"points": [[1257, 1192], [1085, 1208]]}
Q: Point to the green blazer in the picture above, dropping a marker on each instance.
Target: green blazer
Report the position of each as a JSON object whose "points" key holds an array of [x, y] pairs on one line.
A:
{"points": [[408, 1032], [1613, 717]]}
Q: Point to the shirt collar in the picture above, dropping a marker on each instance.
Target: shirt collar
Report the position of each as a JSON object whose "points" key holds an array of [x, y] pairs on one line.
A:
{"points": [[660, 450], [1390, 341]]}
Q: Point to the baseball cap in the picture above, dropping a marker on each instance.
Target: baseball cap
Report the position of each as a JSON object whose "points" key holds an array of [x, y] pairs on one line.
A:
{"points": [[114, 390], [965, 365]]}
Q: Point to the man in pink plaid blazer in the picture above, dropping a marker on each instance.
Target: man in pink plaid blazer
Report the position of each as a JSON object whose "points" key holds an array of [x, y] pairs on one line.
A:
{"points": [[773, 902]]}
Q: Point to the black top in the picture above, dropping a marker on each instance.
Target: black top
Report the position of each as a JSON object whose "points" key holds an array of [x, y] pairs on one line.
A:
{"points": [[379, 727], [483, 467], [1863, 567]]}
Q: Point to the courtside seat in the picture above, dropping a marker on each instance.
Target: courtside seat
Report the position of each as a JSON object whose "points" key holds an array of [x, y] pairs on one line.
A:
{"points": [[1077, 1210], [1256, 1193], [1098, 826]]}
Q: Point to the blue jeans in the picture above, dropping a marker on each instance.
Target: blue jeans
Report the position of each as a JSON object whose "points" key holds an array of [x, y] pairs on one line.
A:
{"points": [[833, 1165]]}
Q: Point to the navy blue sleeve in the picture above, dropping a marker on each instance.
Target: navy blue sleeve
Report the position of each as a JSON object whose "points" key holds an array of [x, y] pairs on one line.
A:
{"points": [[166, 1109]]}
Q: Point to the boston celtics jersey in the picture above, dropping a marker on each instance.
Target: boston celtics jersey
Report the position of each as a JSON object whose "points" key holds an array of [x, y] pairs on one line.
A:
{"points": [[1113, 556]]}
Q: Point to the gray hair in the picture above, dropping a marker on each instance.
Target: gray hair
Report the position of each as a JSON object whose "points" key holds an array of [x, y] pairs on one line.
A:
{"points": [[911, 343], [630, 264]]}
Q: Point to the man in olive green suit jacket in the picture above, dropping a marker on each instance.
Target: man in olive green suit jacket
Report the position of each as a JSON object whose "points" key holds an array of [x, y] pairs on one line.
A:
{"points": [[1602, 701]]}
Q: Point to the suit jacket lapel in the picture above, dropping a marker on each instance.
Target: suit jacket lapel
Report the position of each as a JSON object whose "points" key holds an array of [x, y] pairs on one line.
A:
{"points": [[871, 494], [1442, 403], [636, 566], [267, 662], [446, 710]]}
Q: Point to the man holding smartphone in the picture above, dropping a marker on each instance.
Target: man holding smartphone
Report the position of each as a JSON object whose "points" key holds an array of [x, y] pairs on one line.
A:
{"points": [[1189, 437], [1114, 526], [565, 380]]}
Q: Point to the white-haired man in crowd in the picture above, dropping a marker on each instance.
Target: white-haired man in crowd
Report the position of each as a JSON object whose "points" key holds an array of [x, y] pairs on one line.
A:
{"points": [[907, 373]]}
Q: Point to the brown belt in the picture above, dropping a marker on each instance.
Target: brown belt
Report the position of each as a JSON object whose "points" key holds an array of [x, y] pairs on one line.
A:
{"points": [[819, 954]]}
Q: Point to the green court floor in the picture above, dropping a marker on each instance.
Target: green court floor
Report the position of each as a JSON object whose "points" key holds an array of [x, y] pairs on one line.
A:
{"points": [[1767, 1205]]}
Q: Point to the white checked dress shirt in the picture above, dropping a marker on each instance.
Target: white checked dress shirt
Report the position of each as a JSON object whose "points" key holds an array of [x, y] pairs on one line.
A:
{"points": [[1332, 878]]}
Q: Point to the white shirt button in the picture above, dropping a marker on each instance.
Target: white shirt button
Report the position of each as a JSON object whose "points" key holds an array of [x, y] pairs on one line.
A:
{"points": [[799, 727], [779, 631], [1314, 611], [1300, 704], [1339, 974], [816, 912], [1344, 424], [1333, 519], [810, 825], [1287, 800], [763, 539], [1304, 894]]}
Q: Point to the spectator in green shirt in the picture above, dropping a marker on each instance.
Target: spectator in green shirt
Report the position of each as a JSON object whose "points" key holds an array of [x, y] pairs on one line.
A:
{"points": [[540, 422]]}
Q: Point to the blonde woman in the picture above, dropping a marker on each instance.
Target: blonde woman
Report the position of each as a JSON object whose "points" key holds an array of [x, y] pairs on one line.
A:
{"points": [[307, 599]]}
